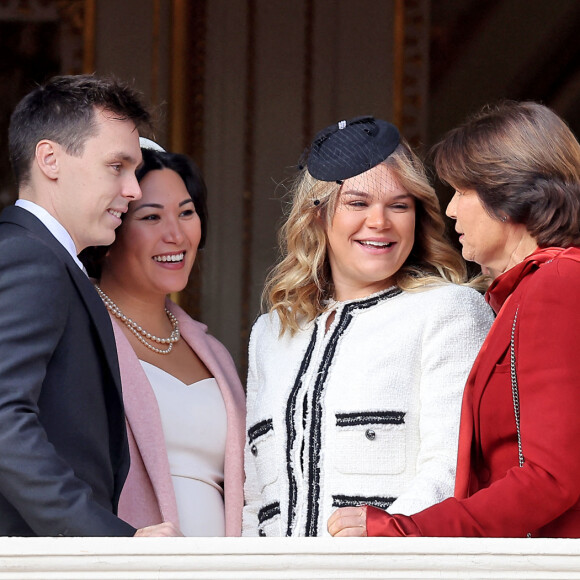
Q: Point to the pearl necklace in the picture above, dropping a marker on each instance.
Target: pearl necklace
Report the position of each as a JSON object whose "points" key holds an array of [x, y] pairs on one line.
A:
{"points": [[140, 332]]}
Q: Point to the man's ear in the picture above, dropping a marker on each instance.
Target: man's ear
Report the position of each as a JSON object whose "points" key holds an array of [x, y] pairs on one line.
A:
{"points": [[46, 157]]}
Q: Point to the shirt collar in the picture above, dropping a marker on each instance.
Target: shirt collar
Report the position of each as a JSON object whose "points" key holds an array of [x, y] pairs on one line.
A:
{"points": [[54, 227]]}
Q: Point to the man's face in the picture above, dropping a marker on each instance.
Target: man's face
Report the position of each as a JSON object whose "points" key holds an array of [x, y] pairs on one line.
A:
{"points": [[93, 190]]}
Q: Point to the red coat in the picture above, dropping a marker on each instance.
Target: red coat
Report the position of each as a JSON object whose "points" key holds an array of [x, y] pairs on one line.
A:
{"points": [[494, 497]]}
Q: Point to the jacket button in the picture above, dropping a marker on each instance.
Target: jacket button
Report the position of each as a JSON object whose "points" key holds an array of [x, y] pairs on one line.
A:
{"points": [[261, 533], [370, 434], [254, 450]]}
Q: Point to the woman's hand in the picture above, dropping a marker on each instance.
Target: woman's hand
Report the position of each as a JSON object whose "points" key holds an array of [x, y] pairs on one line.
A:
{"points": [[348, 521], [164, 530]]}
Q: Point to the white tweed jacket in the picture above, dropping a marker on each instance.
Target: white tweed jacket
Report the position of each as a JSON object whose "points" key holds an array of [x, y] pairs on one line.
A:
{"points": [[364, 413]]}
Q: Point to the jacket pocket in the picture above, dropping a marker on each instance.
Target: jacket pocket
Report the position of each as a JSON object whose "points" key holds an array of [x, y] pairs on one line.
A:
{"points": [[371, 442], [262, 445], [380, 502], [269, 520]]}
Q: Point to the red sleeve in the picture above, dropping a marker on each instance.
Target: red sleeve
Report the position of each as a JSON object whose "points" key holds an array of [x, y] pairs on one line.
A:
{"points": [[548, 367], [380, 523]]}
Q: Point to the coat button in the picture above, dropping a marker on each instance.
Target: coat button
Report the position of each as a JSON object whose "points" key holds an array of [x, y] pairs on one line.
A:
{"points": [[254, 450], [370, 434], [261, 533]]}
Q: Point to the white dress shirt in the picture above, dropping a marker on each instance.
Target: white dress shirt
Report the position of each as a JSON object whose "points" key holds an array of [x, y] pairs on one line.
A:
{"points": [[53, 226]]}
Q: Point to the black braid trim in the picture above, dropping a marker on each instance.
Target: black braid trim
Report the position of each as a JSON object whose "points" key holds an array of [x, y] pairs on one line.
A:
{"points": [[339, 501], [259, 429], [370, 418]]}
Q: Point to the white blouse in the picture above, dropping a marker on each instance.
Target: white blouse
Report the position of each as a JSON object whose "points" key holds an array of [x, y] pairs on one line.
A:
{"points": [[194, 425]]}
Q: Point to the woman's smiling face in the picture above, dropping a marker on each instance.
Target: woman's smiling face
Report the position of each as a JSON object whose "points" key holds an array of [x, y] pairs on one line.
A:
{"points": [[371, 235], [157, 243]]}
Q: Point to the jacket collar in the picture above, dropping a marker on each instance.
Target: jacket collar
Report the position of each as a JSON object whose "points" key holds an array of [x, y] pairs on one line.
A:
{"points": [[95, 308], [496, 343], [507, 282]]}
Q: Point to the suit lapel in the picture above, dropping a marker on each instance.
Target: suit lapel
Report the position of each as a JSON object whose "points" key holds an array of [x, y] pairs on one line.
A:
{"points": [[491, 352], [95, 307], [100, 317]]}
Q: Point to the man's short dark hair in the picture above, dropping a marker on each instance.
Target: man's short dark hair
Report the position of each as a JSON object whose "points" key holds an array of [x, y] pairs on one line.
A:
{"points": [[63, 110]]}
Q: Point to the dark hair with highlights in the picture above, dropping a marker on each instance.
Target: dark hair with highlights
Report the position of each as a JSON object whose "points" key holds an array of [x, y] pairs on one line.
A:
{"points": [[63, 110], [153, 160], [524, 163], [190, 174]]}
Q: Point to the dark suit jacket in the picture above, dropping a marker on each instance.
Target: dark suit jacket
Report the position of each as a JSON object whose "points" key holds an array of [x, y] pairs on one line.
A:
{"points": [[63, 445]]}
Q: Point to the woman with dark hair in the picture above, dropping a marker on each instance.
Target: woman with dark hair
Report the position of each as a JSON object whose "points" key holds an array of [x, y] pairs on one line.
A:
{"points": [[357, 370], [183, 399], [515, 169]]}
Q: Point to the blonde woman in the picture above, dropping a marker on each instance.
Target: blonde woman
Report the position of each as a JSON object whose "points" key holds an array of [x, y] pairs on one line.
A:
{"points": [[356, 372]]}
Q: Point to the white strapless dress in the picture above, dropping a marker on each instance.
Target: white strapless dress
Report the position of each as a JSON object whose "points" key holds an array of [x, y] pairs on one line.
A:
{"points": [[194, 424]]}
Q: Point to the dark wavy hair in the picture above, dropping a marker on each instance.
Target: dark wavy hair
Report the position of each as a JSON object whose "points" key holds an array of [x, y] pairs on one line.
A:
{"points": [[524, 163], [189, 173]]}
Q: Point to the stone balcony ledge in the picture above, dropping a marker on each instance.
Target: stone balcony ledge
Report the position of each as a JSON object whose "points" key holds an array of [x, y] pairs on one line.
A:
{"points": [[287, 558]]}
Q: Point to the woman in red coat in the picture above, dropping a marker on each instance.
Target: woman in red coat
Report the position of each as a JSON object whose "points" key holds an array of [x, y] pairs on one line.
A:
{"points": [[516, 173]]}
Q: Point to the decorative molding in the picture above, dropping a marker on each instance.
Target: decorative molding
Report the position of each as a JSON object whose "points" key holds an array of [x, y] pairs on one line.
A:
{"points": [[76, 23], [248, 183], [411, 69], [308, 74], [40, 38], [89, 34], [398, 62], [178, 67], [155, 53], [186, 111], [288, 558]]}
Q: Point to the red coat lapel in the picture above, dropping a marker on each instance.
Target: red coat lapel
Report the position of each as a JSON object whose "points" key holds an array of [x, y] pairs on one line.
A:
{"points": [[496, 344]]}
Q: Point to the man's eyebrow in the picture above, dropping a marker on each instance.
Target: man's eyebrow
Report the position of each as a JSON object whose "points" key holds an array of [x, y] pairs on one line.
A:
{"points": [[123, 156]]}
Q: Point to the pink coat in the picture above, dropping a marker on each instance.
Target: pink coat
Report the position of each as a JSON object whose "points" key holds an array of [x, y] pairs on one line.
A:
{"points": [[148, 497]]}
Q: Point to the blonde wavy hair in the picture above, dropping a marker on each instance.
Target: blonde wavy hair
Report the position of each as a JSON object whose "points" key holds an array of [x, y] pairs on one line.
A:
{"points": [[300, 284]]}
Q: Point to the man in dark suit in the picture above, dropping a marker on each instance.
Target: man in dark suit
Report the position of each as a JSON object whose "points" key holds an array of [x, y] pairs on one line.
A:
{"points": [[74, 148]]}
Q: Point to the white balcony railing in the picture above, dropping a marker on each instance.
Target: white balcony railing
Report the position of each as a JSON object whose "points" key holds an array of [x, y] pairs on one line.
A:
{"points": [[287, 558]]}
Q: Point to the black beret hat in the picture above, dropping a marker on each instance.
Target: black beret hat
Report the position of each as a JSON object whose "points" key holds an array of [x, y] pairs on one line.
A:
{"points": [[349, 148]]}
